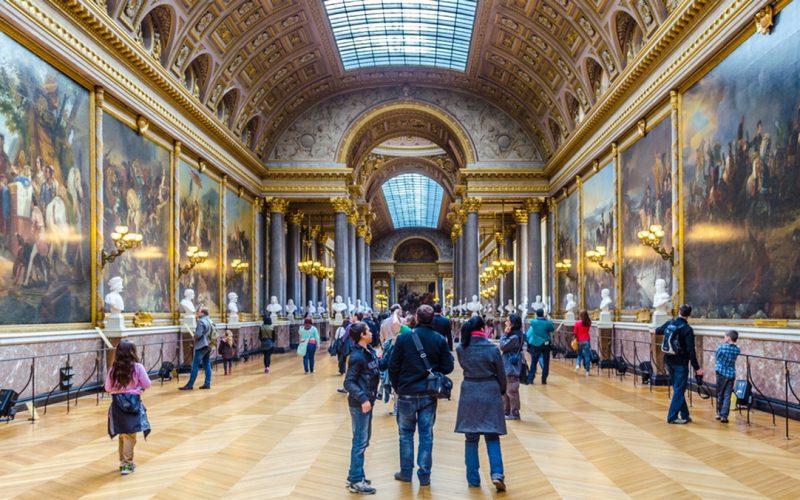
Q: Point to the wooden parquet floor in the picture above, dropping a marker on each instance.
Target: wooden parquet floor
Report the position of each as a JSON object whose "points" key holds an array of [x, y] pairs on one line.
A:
{"points": [[287, 435]]}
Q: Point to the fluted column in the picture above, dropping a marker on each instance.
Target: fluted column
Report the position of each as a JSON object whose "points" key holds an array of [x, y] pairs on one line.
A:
{"points": [[341, 274], [534, 208], [440, 286], [455, 236], [361, 263], [311, 280], [293, 256], [277, 249], [521, 269], [324, 257], [392, 289], [508, 279], [368, 258], [470, 252], [352, 267]]}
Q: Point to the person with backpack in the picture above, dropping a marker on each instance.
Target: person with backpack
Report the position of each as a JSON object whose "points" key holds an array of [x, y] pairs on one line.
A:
{"points": [[203, 340], [267, 336], [480, 404], [678, 348], [511, 346]]}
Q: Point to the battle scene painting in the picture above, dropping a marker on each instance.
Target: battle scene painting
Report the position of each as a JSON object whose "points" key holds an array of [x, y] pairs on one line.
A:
{"points": [[598, 231], [239, 241], [567, 248], [136, 195], [198, 206], [45, 248], [646, 188], [741, 161]]}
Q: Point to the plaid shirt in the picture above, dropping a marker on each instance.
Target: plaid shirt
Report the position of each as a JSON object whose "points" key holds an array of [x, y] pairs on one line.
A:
{"points": [[726, 360]]}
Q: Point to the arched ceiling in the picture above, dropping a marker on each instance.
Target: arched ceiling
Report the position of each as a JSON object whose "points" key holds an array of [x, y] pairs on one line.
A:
{"points": [[530, 57]]}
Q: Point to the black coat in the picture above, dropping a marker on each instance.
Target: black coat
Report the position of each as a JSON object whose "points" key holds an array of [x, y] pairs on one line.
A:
{"points": [[444, 327], [406, 368], [480, 404], [363, 375]]}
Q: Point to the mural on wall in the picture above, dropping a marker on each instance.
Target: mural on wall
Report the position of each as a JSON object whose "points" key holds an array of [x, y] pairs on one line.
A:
{"points": [[239, 241], [417, 250], [316, 134], [136, 194], [741, 160], [45, 255], [198, 206], [382, 249], [567, 248], [598, 209], [646, 178]]}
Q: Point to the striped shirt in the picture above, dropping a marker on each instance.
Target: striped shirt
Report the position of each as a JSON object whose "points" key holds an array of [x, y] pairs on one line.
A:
{"points": [[726, 360]]}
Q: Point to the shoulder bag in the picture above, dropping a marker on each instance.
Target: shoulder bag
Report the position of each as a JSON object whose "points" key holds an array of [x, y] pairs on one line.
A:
{"points": [[437, 385]]}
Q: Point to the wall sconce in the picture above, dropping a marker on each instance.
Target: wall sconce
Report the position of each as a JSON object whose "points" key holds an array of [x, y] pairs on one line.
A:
{"points": [[196, 256], [597, 255], [329, 291], [652, 238], [123, 240], [563, 266], [239, 266]]}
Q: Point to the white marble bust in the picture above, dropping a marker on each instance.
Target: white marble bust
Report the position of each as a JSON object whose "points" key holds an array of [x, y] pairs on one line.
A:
{"points": [[358, 307], [339, 309], [474, 306], [274, 308], [661, 299], [537, 304], [113, 298], [605, 300], [233, 303], [290, 307], [510, 307], [523, 307], [350, 306], [187, 303], [311, 309], [321, 308], [569, 308]]}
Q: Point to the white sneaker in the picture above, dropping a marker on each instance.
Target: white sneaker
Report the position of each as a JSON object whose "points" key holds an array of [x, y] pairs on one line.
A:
{"points": [[577, 367], [587, 373]]}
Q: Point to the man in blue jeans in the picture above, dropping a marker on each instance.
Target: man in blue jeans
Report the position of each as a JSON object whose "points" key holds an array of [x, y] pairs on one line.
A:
{"points": [[202, 351], [678, 364], [416, 410]]}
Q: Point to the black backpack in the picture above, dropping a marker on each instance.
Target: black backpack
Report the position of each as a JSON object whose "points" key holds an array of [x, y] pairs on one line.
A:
{"points": [[671, 343]]}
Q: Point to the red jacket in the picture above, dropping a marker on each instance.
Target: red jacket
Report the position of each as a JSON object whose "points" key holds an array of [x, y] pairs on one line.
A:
{"points": [[581, 332]]}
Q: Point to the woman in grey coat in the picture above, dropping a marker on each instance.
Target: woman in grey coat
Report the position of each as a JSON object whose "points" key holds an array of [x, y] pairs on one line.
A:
{"points": [[480, 405]]}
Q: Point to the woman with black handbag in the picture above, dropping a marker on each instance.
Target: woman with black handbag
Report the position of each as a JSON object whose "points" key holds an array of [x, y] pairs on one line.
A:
{"points": [[511, 346], [480, 406], [267, 336]]}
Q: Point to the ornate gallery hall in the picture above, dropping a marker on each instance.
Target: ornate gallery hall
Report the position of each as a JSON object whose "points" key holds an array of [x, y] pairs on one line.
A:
{"points": [[231, 183]]}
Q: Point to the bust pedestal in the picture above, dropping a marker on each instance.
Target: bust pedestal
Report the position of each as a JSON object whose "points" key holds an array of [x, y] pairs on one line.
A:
{"points": [[338, 319], [233, 320], [605, 319], [189, 320], [569, 319], [659, 318], [114, 324]]}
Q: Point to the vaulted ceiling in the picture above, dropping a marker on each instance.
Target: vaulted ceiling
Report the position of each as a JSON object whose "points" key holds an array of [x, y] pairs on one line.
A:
{"points": [[258, 64]]}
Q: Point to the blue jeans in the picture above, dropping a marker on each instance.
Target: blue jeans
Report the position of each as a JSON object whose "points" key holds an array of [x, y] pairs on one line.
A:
{"points": [[308, 359], [202, 355], [679, 376], [724, 390], [362, 431], [541, 353], [416, 412], [584, 354], [472, 461]]}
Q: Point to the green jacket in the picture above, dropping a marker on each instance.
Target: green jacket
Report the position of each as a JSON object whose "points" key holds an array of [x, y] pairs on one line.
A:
{"points": [[539, 332], [313, 333]]}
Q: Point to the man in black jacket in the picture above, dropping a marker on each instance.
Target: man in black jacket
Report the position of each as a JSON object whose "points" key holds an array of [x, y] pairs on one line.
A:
{"points": [[416, 409], [677, 364], [361, 383], [442, 325]]}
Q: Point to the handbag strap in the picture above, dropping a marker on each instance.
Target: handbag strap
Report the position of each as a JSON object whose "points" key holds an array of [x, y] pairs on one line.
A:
{"points": [[420, 350]]}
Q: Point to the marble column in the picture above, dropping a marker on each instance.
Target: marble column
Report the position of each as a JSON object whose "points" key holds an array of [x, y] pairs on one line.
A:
{"points": [[440, 287], [311, 280], [521, 269], [534, 208], [293, 256], [454, 236], [341, 275], [277, 249], [361, 264], [368, 258], [322, 256], [392, 289], [352, 267], [508, 278], [470, 252]]}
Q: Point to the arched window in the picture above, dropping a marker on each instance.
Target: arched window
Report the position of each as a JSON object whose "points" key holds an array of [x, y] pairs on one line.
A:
{"points": [[629, 36], [194, 77], [598, 78], [249, 131]]}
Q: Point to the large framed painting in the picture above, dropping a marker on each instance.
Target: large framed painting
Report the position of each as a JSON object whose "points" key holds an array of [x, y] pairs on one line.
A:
{"points": [[199, 226], [567, 248], [598, 213], [45, 201], [646, 200], [239, 249], [136, 194], [741, 178]]}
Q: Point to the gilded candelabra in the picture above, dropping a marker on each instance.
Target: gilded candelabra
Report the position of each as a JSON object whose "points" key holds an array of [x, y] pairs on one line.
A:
{"points": [[652, 238], [196, 256], [123, 241], [563, 265], [239, 266], [597, 256]]}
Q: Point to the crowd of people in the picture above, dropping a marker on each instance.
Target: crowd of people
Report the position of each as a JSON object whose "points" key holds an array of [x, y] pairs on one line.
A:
{"points": [[407, 357]]}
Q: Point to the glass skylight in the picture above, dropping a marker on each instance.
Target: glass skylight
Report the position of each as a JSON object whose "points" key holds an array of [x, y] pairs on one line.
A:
{"points": [[413, 200], [411, 33]]}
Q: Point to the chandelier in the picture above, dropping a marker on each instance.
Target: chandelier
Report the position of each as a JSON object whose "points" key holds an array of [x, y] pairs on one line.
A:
{"points": [[309, 265]]}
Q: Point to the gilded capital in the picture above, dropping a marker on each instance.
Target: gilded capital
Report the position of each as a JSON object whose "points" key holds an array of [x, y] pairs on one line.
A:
{"points": [[472, 204], [341, 204], [521, 216], [314, 231], [534, 205], [278, 205], [362, 231], [296, 218], [352, 216], [368, 238]]}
